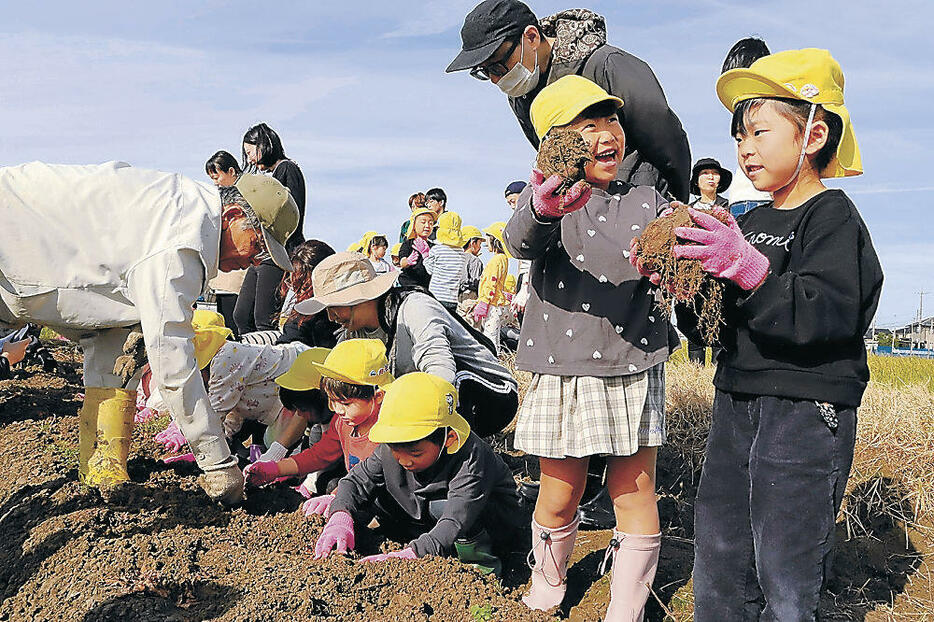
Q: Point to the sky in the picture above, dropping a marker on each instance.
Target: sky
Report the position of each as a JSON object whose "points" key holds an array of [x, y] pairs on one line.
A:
{"points": [[358, 93]]}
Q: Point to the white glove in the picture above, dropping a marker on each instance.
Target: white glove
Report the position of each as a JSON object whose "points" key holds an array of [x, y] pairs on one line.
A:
{"points": [[520, 299], [275, 453]]}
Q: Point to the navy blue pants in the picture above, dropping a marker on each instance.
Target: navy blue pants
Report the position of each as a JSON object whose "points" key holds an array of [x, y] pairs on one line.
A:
{"points": [[769, 493]]}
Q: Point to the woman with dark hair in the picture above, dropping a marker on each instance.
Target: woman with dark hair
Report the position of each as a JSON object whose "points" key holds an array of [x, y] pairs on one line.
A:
{"points": [[312, 330], [258, 306], [708, 180], [224, 171]]}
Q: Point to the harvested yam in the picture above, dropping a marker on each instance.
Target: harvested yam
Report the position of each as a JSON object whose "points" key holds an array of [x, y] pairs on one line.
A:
{"points": [[564, 153], [683, 280]]}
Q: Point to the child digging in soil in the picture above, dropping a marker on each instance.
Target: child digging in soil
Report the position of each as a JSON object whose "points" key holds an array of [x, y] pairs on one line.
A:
{"points": [[432, 482], [352, 377], [596, 350], [805, 285]]}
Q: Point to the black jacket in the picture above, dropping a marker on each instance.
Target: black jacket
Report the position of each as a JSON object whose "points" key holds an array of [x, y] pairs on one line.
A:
{"points": [[289, 175], [657, 151], [800, 334]]}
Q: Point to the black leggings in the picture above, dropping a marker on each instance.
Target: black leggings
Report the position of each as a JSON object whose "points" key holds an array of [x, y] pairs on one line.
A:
{"points": [[258, 304]]}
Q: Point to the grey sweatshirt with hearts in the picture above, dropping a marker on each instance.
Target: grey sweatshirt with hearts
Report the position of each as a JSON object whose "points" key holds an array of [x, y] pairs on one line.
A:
{"points": [[589, 312]]}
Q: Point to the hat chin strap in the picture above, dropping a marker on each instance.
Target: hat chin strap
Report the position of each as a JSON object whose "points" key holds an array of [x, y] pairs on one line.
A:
{"points": [[804, 146]]}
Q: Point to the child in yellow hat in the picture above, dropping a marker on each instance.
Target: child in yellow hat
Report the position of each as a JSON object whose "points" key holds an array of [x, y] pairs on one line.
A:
{"points": [[416, 248], [447, 263], [431, 481], [473, 245], [352, 377], [394, 254], [805, 285], [596, 347], [491, 298]]}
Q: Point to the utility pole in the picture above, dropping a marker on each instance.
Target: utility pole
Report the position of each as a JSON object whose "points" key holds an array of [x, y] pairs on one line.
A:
{"points": [[920, 316]]}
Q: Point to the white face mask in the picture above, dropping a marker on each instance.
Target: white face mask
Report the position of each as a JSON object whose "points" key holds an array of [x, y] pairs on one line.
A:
{"points": [[519, 80]]}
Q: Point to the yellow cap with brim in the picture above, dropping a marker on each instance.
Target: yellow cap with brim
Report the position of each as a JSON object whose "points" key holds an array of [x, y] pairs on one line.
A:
{"points": [[302, 375], [415, 214], [496, 230], [560, 102], [449, 230], [210, 335], [345, 280], [276, 210], [394, 251], [357, 361], [365, 241], [416, 405], [355, 247], [809, 75], [469, 232]]}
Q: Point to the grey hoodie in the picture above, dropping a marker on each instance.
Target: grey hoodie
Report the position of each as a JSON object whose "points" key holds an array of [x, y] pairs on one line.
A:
{"points": [[657, 151]]}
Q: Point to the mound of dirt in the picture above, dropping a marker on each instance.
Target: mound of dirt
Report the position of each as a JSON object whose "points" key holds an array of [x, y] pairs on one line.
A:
{"points": [[564, 153]]}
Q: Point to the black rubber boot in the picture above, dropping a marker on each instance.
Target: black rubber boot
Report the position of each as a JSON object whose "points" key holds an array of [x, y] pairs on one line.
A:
{"points": [[597, 513]]}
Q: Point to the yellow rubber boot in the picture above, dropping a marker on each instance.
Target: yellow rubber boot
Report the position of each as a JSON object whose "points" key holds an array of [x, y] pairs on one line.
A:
{"points": [[87, 428], [107, 466]]}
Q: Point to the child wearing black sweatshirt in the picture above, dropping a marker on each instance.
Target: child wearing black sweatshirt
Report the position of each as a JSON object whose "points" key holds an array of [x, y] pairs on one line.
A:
{"points": [[793, 367]]}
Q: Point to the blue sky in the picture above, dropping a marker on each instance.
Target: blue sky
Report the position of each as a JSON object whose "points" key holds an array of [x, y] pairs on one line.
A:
{"points": [[358, 93]]}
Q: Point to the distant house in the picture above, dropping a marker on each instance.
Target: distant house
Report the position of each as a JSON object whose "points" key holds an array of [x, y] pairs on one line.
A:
{"points": [[919, 334]]}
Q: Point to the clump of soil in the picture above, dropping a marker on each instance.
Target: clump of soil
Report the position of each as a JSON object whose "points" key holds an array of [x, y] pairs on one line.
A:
{"points": [[683, 280], [564, 153]]}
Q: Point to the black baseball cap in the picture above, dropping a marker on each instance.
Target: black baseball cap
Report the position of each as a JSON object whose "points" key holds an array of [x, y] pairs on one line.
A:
{"points": [[486, 27]]}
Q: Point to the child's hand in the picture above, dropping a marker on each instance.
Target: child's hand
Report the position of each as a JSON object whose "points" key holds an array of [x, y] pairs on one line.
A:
{"points": [[654, 277], [480, 311], [317, 505], [261, 473], [172, 438], [722, 250], [406, 553], [15, 351], [549, 205], [422, 247], [337, 533]]}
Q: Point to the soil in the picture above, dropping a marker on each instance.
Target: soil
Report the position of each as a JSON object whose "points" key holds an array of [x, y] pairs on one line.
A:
{"points": [[158, 549], [682, 280], [564, 153]]}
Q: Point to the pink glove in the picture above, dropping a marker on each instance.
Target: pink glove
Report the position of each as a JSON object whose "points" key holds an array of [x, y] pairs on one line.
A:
{"points": [[412, 259], [172, 438], [189, 457], [421, 246], [261, 473], [480, 311], [317, 505], [406, 553], [549, 205], [143, 415], [722, 250], [303, 490], [337, 533]]}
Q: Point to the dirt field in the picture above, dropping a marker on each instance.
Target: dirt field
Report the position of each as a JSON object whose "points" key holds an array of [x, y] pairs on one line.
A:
{"points": [[158, 550]]}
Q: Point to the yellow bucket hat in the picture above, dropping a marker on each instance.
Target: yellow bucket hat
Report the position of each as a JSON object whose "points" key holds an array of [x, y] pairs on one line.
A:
{"points": [[449, 230], [809, 75], [365, 241], [415, 214], [469, 232], [394, 251], [416, 405], [302, 375], [496, 230], [561, 101], [357, 361], [210, 335]]}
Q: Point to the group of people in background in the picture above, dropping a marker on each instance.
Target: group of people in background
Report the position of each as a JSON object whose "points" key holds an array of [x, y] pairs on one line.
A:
{"points": [[377, 382]]}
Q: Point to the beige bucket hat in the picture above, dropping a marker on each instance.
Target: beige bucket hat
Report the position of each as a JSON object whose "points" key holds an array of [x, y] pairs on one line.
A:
{"points": [[274, 207], [344, 280]]}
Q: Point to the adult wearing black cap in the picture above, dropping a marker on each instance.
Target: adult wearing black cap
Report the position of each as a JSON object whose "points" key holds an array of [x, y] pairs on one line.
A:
{"points": [[505, 43], [708, 180]]}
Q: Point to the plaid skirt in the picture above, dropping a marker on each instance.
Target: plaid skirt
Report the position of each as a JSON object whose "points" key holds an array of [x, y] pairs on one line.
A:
{"points": [[578, 416]]}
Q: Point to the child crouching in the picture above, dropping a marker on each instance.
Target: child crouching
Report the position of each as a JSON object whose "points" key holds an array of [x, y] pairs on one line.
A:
{"points": [[432, 482], [351, 376]]}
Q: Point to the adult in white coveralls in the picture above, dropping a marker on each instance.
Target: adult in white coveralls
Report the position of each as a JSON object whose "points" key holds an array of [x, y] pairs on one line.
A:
{"points": [[94, 250]]}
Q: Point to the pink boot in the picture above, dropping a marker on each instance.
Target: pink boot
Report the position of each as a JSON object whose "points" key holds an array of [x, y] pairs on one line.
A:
{"points": [[635, 559], [551, 550]]}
